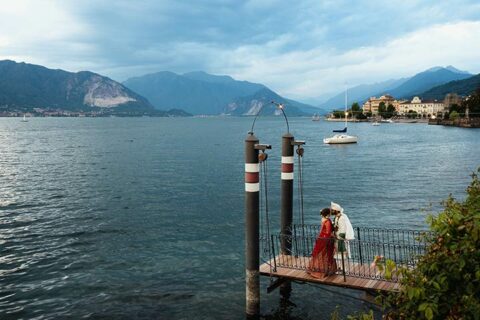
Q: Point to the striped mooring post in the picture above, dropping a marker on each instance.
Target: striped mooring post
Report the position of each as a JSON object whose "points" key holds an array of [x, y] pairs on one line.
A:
{"points": [[286, 202], [252, 247]]}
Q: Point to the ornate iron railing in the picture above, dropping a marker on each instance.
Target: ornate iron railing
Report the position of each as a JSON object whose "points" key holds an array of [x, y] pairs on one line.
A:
{"points": [[367, 253]]}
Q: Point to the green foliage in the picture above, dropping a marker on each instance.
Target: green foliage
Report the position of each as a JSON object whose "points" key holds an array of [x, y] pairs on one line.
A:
{"points": [[356, 111], [338, 114], [412, 114], [386, 112], [361, 116], [382, 108], [446, 282], [457, 109], [357, 316], [453, 115], [336, 314], [390, 111], [355, 107], [362, 316], [473, 104], [385, 265]]}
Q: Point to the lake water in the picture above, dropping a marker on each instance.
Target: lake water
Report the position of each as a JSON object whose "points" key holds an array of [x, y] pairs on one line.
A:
{"points": [[132, 218]]}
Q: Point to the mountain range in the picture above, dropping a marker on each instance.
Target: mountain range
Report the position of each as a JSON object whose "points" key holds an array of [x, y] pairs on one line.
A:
{"points": [[28, 86], [399, 88], [202, 93], [462, 87]]}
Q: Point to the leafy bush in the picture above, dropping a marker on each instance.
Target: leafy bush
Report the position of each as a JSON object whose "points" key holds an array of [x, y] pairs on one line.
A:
{"points": [[453, 115], [446, 282], [473, 104]]}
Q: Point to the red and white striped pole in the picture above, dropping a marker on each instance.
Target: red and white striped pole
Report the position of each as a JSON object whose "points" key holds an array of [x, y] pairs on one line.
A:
{"points": [[287, 191], [286, 202], [252, 247]]}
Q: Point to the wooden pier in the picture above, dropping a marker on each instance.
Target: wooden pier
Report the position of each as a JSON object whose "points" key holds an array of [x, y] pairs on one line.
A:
{"points": [[299, 273], [288, 250]]}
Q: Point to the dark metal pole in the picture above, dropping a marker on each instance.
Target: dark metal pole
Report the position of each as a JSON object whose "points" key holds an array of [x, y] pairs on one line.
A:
{"points": [[359, 245], [252, 247], [287, 203]]}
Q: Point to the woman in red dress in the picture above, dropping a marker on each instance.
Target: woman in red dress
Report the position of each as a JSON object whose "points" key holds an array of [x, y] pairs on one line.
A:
{"points": [[322, 263]]}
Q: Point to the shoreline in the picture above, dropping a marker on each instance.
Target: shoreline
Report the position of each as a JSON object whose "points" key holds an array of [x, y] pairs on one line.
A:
{"points": [[461, 123]]}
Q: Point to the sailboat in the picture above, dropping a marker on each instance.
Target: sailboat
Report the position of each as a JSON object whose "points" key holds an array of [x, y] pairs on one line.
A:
{"points": [[316, 117], [343, 137], [24, 118]]}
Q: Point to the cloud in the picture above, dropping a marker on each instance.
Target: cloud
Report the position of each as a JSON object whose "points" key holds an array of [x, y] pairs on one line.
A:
{"points": [[309, 73], [38, 31], [300, 49]]}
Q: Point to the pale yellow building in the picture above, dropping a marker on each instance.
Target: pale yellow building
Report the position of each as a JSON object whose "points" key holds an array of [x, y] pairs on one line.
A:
{"points": [[426, 108], [372, 104]]}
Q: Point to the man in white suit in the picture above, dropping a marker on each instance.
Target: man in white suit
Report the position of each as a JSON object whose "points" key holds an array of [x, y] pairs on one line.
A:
{"points": [[342, 227]]}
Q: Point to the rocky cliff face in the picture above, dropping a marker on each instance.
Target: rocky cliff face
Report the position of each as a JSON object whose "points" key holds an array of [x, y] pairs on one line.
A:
{"points": [[203, 93], [105, 93], [29, 86], [251, 105]]}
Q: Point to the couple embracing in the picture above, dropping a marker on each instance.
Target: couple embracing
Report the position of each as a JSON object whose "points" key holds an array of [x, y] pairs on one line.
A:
{"points": [[332, 238]]}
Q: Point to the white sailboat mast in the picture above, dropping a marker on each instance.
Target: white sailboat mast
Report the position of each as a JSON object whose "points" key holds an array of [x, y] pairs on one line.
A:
{"points": [[346, 98]]}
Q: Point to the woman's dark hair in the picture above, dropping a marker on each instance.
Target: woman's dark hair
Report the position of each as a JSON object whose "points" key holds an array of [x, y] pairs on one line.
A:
{"points": [[325, 212]]}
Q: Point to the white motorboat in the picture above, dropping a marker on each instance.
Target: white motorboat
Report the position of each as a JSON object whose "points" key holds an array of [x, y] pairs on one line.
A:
{"points": [[341, 139], [375, 123]]}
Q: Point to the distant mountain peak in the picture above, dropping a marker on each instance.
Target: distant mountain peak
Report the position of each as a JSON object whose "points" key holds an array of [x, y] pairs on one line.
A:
{"points": [[203, 76], [449, 68], [28, 86], [462, 87], [433, 69], [453, 69], [399, 88]]}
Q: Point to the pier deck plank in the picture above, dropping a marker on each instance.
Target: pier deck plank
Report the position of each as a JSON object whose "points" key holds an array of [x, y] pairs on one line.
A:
{"points": [[300, 273]]}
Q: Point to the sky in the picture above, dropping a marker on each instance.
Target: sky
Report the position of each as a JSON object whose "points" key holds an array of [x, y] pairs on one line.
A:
{"points": [[304, 50]]}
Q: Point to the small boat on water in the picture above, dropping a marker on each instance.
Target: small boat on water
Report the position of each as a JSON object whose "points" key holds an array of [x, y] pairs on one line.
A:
{"points": [[24, 119], [375, 123], [342, 137], [316, 117], [387, 121]]}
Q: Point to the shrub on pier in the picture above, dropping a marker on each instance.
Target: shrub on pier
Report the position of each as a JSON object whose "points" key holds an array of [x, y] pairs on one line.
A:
{"points": [[446, 282]]}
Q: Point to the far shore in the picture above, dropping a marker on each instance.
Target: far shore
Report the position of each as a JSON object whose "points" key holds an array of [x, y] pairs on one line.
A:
{"points": [[371, 120]]}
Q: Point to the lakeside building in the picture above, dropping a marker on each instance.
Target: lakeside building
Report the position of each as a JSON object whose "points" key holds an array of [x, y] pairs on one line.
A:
{"points": [[451, 99], [372, 104], [425, 108]]}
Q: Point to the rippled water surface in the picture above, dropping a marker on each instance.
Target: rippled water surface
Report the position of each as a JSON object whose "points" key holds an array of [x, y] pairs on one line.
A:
{"points": [[143, 217]]}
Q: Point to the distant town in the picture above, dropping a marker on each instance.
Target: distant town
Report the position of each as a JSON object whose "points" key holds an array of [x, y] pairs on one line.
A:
{"points": [[386, 106], [9, 111]]}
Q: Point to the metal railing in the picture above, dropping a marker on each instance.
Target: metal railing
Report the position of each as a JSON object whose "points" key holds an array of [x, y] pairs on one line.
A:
{"points": [[363, 258]]}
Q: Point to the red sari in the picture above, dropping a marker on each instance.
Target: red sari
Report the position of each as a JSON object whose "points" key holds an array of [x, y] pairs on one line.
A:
{"points": [[322, 263]]}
